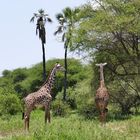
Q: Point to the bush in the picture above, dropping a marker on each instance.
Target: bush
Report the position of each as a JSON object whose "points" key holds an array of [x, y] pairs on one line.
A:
{"points": [[71, 98], [89, 111], [9, 104], [59, 108]]}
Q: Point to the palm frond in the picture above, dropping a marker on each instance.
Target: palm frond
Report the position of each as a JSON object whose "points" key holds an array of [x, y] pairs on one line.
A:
{"points": [[35, 14], [56, 32], [59, 30], [37, 30], [49, 19], [59, 15], [63, 37], [46, 15], [67, 12], [32, 19], [41, 11], [76, 10]]}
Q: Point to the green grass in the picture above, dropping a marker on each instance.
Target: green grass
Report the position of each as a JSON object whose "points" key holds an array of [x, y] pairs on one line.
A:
{"points": [[72, 127]]}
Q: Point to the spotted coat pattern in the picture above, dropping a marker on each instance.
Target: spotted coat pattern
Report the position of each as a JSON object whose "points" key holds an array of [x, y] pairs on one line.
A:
{"points": [[102, 96], [42, 96]]}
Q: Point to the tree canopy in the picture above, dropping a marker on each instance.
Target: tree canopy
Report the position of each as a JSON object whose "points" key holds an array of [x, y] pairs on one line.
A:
{"points": [[110, 33]]}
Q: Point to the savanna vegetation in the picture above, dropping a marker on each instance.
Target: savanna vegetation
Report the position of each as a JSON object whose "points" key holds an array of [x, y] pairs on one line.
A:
{"points": [[108, 32]]}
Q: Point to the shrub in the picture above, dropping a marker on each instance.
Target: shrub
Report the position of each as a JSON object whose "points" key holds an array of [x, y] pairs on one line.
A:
{"points": [[88, 110], [9, 104], [59, 108], [71, 98]]}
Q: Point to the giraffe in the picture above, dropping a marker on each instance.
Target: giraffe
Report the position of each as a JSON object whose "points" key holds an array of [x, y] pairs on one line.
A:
{"points": [[41, 97], [102, 96]]}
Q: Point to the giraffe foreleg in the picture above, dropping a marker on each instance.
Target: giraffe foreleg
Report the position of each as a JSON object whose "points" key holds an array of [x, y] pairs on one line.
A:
{"points": [[47, 113], [49, 116], [105, 113], [101, 117]]}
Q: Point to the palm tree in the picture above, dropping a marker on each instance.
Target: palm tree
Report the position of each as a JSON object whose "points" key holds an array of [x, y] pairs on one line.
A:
{"points": [[42, 18], [66, 21]]}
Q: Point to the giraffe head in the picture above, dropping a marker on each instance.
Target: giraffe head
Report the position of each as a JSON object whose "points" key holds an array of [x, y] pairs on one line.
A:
{"points": [[101, 65], [59, 67]]}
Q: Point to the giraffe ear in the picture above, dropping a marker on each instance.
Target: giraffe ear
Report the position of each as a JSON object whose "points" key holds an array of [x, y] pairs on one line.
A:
{"points": [[104, 64], [97, 64], [57, 64]]}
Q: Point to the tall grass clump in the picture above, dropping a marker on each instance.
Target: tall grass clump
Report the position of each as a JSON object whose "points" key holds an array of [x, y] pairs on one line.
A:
{"points": [[72, 127]]}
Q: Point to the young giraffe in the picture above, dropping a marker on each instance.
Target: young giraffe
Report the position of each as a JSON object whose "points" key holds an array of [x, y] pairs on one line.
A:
{"points": [[41, 97], [102, 96]]}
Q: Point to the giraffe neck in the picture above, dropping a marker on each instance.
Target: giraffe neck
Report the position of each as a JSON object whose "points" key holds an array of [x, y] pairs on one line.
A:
{"points": [[101, 74], [50, 81], [102, 84]]}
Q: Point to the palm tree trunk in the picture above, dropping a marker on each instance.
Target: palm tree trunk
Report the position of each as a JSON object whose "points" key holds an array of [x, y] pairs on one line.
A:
{"points": [[65, 74], [44, 62]]}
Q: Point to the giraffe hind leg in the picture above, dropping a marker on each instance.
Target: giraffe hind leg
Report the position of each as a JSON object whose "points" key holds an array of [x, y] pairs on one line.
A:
{"points": [[27, 118], [23, 115], [26, 121], [45, 116], [49, 117]]}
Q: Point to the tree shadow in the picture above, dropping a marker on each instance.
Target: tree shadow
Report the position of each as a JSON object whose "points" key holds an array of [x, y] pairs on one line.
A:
{"points": [[117, 116]]}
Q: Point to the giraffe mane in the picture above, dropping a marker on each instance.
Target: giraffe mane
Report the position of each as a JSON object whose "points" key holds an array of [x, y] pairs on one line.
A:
{"points": [[46, 79]]}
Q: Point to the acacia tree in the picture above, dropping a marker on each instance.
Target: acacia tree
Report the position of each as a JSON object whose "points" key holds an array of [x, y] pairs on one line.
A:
{"points": [[110, 33], [66, 21], [42, 18]]}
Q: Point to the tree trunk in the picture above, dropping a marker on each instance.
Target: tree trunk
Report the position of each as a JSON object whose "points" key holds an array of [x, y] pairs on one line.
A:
{"points": [[44, 62], [65, 74]]}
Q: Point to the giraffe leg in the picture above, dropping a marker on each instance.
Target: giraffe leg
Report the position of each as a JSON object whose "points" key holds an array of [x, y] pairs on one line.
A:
{"points": [[105, 117], [101, 117], [27, 118], [26, 122], [105, 113], [47, 113], [45, 116]]}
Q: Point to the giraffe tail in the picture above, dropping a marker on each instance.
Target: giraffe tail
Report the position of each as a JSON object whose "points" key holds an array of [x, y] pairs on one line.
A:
{"points": [[22, 103], [23, 115]]}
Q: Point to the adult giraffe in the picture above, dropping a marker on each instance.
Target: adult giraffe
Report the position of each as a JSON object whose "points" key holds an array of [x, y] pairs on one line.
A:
{"points": [[41, 97], [102, 96]]}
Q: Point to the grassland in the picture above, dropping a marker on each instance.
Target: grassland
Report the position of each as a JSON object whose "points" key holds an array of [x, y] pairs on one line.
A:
{"points": [[72, 127]]}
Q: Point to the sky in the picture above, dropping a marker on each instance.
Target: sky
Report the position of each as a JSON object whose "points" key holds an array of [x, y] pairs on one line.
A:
{"points": [[19, 45]]}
